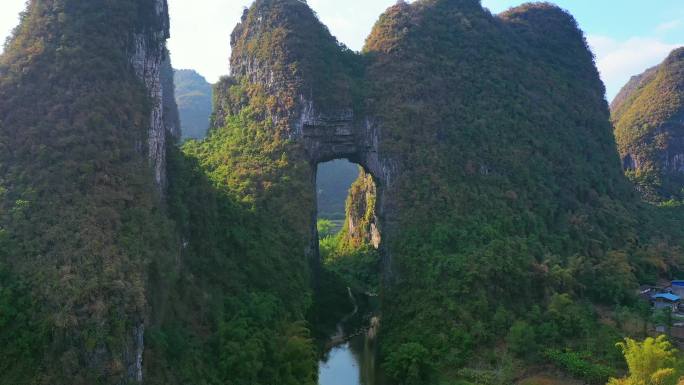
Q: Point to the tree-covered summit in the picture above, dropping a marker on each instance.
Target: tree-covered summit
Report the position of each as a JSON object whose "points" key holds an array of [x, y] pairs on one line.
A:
{"points": [[508, 236], [81, 220], [510, 204], [648, 115]]}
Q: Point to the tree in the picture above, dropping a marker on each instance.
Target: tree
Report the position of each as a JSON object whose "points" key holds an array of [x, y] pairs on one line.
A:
{"points": [[522, 339], [410, 364], [650, 362], [663, 317], [325, 228]]}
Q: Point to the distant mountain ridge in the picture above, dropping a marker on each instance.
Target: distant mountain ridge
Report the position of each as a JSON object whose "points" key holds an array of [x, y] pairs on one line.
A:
{"points": [[333, 181], [634, 84], [194, 99]]}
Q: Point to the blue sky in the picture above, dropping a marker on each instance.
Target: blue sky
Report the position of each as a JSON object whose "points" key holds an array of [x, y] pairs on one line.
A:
{"points": [[627, 36]]}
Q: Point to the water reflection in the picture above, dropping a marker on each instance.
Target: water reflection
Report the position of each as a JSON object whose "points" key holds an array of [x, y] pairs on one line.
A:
{"points": [[341, 367], [352, 363]]}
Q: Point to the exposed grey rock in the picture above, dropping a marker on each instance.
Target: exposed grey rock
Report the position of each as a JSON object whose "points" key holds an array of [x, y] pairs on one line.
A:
{"points": [[133, 355], [171, 115], [152, 64], [147, 56]]}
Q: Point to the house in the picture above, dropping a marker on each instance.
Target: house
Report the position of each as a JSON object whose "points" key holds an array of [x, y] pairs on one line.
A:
{"points": [[666, 300], [677, 288], [646, 292]]}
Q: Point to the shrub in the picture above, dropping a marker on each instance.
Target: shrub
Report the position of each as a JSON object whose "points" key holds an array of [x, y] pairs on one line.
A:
{"points": [[576, 365], [410, 364]]}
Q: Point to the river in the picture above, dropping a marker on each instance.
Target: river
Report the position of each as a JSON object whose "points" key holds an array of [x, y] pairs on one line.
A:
{"points": [[351, 362]]}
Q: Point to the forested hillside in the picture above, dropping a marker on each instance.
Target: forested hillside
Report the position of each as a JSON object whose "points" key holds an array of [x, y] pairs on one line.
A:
{"points": [[193, 95], [503, 210], [245, 204], [81, 221], [648, 115], [526, 220], [492, 216]]}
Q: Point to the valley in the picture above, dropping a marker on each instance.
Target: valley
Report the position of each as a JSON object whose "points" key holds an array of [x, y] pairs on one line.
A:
{"points": [[453, 204]]}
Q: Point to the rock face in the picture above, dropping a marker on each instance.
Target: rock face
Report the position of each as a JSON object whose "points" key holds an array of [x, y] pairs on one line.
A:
{"points": [[362, 225], [486, 138], [148, 57], [316, 106], [152, 64], [171, 114], [648, 115]]}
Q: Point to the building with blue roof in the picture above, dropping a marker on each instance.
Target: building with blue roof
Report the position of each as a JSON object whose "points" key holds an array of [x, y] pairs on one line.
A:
{"points": [[667, 297], [677, 287], [666, 300]]}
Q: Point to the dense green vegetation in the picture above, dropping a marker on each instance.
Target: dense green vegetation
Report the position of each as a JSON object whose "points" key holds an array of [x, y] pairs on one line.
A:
{"points": [[80, 217], [650, 362], [194, 98], [648, 123], [235, 313], [510, 198], [511, 237], [245, 281]]}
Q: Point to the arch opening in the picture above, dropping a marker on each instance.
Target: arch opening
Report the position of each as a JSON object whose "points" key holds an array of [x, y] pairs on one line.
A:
{"points": [[347, 208], [347, 301]]}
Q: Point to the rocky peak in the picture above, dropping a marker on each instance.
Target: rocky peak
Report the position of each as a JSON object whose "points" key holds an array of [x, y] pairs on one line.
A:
{"points": [[648, 115], [362, 223]]}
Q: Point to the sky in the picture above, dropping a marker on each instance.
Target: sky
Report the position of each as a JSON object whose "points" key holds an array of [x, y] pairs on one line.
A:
{"points": [[627, 36]]}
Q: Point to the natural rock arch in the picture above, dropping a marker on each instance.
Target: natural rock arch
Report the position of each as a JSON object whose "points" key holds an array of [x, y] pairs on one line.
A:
{"points": [[340, 135], [318, 107]]}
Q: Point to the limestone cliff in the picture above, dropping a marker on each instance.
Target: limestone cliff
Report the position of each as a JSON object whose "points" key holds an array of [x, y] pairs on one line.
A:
{"points": [[490, 170], [489, 141], [462, 119], [148, 55], [362, 224], [171, 114], [83, 142], [313, 91], [648, 115]]}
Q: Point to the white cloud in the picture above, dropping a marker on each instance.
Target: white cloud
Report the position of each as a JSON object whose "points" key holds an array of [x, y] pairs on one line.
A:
{"points": [[200, 29], [9, 17], [619, 60], [669, 25], [200, 34]]}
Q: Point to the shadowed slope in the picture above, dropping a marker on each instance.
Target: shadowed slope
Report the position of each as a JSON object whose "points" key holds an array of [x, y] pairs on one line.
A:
{"points": [[79, 214]]}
